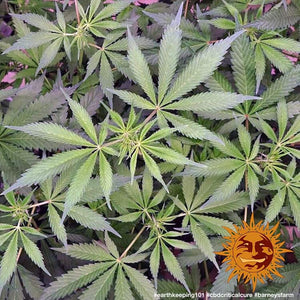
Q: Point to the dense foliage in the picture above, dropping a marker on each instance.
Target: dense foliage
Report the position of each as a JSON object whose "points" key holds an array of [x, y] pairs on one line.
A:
{"points": [[131, 134]]}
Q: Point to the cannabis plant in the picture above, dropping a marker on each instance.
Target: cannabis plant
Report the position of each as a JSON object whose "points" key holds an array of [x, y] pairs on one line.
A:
{"points": [[134, 138]]}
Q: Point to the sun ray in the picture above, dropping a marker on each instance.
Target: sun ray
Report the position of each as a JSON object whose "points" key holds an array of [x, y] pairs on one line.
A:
{"points": [[253, 252]]}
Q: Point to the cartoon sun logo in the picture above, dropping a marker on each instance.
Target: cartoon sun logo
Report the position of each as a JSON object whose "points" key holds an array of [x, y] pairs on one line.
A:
{"points": [[253, 252]]}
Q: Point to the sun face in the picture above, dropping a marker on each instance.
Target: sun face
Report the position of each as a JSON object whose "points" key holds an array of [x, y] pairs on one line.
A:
{"points": [[253, 252]]}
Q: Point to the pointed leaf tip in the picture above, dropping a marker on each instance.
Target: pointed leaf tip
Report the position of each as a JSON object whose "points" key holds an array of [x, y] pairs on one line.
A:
{"points": [[177, 19]]}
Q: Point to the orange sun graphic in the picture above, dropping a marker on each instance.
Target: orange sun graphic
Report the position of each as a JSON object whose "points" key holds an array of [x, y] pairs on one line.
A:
{"points": [[253, 252]]}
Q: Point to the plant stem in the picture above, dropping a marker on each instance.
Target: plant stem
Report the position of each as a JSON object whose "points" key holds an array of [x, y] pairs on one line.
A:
{"points": [[132, 243], [186, 7], [206, 272], [28, 224], [77, 12], [246, 174]]}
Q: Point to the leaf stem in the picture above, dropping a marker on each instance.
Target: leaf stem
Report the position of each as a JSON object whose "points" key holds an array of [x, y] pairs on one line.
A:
{"points": [[132, 243], [39, 204], [153, 113]]}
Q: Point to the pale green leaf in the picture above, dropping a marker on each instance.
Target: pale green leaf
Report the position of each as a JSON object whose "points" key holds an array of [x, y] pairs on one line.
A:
{"points": [[9, 260], [56, 225], [281, 62], [170, 47], [86, 252], [79, 183], [74, 280], [173, 265], [209, 102], [275, 206], [199, 68], [133, 99], [260, 66], [243, 65], [54, 133], [83, 118], [140, 68], [49, 167], [140, 283], [33, 252], [49, 54], [203, 242], [122, 288]]}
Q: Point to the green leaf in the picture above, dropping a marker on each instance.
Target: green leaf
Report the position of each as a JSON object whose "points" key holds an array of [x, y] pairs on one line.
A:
{"points": [[37, 21], [33, 252], [243, 65], [133, 99], [170, 47], [277, 18], [245, 140], [88, 218], [219, 83], [203, 242], [223, 23], [154, 262], [140, 283], [295, 207], [56, 225], [229, 186], [279, 89], [79, 183], [275, 206], [253, 185], [173, 265], [228, 148], [284, 44], [111, 246], [100, 288], [6, 226], [92, 64], [153, 168], [236, 201], [112, 9], [5, 236], [281, 62], [209, 102], [192, 75], [189, 128], [215, 224], [49, 167], [214, 167], [54, 133], [106, 176], [33, 40], [169, 155], [9, 260], [122, 288], [106, 76], [49, 54], [60, 18], [188, 188], [282, 117], [268, 130], [87, 252], [140, 69], [74, 280], [83, 118]]}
